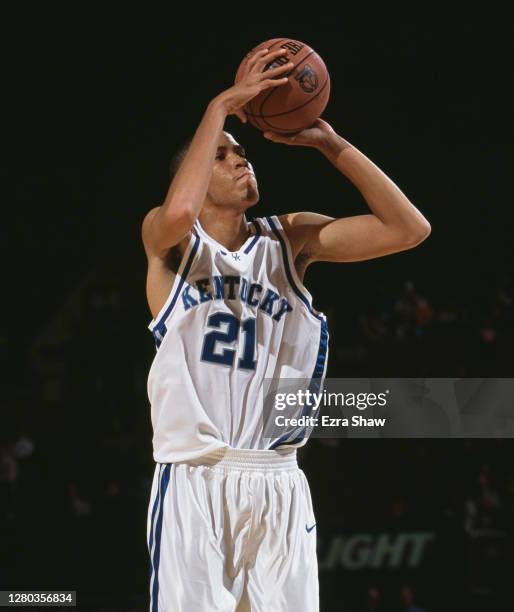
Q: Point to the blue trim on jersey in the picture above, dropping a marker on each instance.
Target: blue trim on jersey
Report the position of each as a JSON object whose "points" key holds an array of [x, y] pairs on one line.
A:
{"points": [[322, 352], [257, 236], [154, 510], [152, 525], [165, 479], [319, 367], [289, 275], [314, 386], [159, 331]]}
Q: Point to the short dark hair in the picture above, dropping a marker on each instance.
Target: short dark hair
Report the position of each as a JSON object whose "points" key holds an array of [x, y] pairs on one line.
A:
{"points": [[178, 157]]}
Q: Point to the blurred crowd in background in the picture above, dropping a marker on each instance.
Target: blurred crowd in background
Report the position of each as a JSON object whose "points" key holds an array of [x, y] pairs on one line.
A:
{"points": [[410, 332], [76, 463]]}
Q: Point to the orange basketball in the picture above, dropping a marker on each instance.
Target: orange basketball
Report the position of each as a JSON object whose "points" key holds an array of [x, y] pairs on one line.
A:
{"points": [[299, 102]]}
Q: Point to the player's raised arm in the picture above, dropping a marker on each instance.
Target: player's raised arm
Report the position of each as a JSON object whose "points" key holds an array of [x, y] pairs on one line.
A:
{"points": [[394, 225], [166, 225]]}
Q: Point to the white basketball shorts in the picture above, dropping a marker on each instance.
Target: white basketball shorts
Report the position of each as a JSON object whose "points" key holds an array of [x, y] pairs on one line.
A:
{"points": [[233, 531]]}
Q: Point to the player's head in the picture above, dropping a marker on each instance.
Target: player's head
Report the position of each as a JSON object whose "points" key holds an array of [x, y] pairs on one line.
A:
{"points": [[233, 181]]}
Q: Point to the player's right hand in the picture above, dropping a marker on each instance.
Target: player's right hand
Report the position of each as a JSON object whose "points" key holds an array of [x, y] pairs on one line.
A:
{"points": [[253, 81]]}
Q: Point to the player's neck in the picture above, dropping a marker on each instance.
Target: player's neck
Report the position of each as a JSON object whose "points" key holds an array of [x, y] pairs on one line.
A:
{"points": [[228, 228]]}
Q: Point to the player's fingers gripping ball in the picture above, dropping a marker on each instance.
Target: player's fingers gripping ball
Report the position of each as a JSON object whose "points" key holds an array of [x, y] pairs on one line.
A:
{"points": [[295, 105]]}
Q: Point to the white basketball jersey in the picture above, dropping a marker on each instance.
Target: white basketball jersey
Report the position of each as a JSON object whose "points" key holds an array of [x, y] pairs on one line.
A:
{"points": [[232, 320]]}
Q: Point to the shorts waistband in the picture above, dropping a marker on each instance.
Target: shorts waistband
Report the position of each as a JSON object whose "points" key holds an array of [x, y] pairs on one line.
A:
{"points": [[248, 460]]}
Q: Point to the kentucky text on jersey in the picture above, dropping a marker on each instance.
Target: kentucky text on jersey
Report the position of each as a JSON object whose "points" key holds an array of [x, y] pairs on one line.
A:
{"points": [[234, 287]]}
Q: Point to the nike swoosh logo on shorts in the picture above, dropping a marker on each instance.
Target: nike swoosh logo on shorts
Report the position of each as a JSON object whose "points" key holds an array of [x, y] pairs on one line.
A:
{"points": [[309, 529]]}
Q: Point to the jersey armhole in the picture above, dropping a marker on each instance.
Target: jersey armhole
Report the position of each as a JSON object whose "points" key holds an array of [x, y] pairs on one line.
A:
{"points": [[180, 277], [287, 256]]}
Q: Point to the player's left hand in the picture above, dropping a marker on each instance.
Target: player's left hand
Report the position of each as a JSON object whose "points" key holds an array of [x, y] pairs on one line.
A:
{"points": [[313, 136]]}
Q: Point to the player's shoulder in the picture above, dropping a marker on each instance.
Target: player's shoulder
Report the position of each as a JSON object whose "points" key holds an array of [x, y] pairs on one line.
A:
{"points": [[301, 223], [279, 227], [285, 221], [149, 227], [146, 230], [270, 226], [299, 227], [147, 221], [302, 218], [292, 224]]}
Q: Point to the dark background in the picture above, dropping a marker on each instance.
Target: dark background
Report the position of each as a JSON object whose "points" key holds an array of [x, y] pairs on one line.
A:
{"points": [[94, 107]]}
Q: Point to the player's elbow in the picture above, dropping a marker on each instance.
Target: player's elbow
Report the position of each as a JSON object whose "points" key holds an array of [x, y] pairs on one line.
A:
{"points": [[417, 234], [180, 213]]}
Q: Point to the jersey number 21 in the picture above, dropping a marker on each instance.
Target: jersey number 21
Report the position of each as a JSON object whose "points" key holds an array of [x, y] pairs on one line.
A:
{"points": [[227, 355]]}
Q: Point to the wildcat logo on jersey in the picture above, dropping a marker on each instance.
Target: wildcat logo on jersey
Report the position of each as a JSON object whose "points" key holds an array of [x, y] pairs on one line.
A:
{"points": [[232, 287], [307, 79]]}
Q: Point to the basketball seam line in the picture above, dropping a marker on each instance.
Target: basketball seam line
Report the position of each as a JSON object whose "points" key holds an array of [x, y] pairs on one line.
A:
{"points": [[274, 88], [294, 109], [281, 40]]}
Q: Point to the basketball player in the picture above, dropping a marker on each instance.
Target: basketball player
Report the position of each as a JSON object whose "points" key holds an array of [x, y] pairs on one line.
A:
{"points": [[230, 523]]}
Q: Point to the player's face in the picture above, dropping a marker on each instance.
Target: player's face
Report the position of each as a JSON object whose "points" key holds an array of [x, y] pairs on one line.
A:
{"points": [[233, 181]]}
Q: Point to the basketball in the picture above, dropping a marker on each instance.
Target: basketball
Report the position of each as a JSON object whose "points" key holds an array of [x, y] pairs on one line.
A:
{"points": [[298, 103]]}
